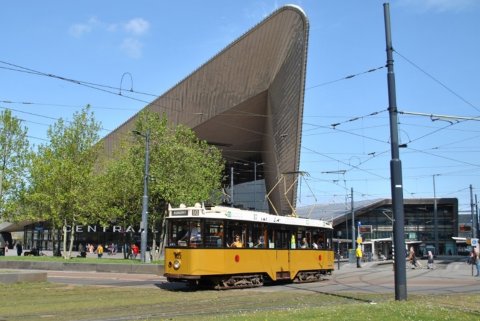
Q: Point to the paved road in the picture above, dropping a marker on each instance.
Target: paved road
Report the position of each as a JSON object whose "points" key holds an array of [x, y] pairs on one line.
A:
{"points": [[447, 277]]}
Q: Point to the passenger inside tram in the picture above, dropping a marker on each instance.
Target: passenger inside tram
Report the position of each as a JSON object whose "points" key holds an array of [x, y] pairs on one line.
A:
{"points": [[260, 243], [304, 243], [237, 243]]}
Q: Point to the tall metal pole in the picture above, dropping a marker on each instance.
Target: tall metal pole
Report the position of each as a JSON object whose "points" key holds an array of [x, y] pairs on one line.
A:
{"points": [[254, 186], [472, 207], [476, 214], [1, 184], [144, 224], [395, 171], [231, 186], [353, 220], [435, 217]]}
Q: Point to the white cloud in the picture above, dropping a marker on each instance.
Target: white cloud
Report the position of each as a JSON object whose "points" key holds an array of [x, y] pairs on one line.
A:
{"points": [[79, 29], [129, 31], [137, 26], [132, 47]]}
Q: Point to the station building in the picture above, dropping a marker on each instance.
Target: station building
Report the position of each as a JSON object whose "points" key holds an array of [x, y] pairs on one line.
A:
{"points": [[430, 224], [248, 101]]}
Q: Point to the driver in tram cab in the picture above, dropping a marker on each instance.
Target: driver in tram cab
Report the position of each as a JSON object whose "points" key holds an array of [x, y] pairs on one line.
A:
{"points": [[182, 236], [195, 235], [237, 243]]}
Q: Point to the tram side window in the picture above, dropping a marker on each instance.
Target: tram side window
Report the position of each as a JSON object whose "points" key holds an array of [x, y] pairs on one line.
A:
{"points": [[271, 238], [234, 229], [214, 234], [302, 238], [322, 239], [257, 235]]}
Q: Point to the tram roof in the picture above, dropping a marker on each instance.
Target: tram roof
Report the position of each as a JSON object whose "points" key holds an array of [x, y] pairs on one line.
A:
{"points": [[231, 213]]}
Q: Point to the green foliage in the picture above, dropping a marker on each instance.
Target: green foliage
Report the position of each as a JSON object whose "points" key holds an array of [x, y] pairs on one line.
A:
{"points": [[182, 169], [62, 188], [14, 160]]}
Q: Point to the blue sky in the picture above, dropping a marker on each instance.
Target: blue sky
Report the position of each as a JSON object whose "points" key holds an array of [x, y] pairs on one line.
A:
{"points": [[151, 45]]}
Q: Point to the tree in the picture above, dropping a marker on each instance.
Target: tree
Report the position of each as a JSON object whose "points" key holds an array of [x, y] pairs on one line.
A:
{"points": [[119, 191], [62, 179], [183, 169], [14, 159]]}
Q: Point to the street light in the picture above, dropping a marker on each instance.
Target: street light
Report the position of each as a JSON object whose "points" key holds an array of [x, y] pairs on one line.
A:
{"points": [[435, 216], [339, 234], [255, 164], [144, 223]]}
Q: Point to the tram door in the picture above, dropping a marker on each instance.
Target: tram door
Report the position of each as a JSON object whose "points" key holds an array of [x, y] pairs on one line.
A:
{"points": [[281, 242]]}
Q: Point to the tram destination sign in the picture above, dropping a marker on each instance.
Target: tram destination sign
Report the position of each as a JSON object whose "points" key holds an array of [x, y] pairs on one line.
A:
{"points": [[180, 213]]}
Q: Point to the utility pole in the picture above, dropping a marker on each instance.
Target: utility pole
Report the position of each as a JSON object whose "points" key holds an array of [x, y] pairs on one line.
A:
{"points": [[472, 207], [476, 215], [353, 220], [1, 184], [231, 186], [435, 217], [144, 223], [395, 171]]}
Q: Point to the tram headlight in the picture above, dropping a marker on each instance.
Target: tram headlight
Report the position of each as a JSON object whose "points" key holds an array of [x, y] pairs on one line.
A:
{"points": [[176, 264]]}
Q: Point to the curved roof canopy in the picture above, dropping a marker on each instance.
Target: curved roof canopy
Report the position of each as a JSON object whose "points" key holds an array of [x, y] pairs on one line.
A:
{"points": [[248, 101]]}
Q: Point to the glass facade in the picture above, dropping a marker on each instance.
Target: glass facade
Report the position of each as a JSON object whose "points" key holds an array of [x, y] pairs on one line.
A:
{"points": [[420, 228], [41, 237]]}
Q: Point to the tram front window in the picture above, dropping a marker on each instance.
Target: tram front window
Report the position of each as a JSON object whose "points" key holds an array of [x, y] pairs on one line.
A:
{"points": [[181, 235], [185, 233], [213, 233], [195, 234]]}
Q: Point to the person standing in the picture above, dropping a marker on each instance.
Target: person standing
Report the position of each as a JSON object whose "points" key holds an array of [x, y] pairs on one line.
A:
{"points": [[475, 260], [359, 255], [135, 250], [430, 260], [99, 251], [19, 249]]}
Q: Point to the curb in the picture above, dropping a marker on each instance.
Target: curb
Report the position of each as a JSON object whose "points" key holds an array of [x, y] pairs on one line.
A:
{"points": [[16, 276], [85, 267]]}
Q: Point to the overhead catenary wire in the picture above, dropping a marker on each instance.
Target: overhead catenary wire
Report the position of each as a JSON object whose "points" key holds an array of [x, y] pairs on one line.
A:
{"points": [[437, 81], [91, 85], [345, 78], [63, 105], [260, 115]]}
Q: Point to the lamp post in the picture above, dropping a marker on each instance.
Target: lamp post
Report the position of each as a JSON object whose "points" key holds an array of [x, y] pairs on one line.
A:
{"points": [[396, 180], [255, 164], [1, 183], [144, 223], [339, 234], [435, 216]]}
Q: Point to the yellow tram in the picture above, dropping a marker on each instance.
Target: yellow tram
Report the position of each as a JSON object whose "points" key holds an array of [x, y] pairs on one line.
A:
{"points": [[225, 247]]}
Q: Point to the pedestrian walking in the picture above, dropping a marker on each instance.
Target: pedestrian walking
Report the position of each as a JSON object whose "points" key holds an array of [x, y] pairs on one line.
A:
{"points": [[359, 255], [475, 260], [412, 258], [19, 249], [430, 260]]}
